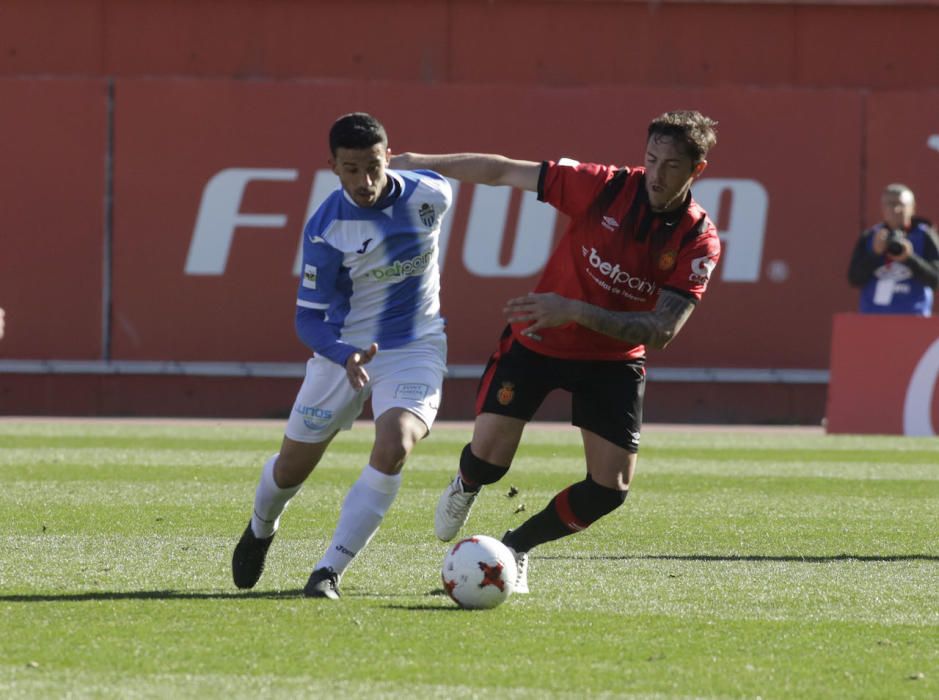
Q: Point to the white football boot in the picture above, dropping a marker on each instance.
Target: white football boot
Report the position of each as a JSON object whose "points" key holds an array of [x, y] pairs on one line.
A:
{"points": [[453, 510], [521, 566]]}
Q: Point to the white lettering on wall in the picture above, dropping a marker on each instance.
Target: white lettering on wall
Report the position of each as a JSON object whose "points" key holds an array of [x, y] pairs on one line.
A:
{"points": [[917, 407], [485, 232], [746, 224], [220, 214]]}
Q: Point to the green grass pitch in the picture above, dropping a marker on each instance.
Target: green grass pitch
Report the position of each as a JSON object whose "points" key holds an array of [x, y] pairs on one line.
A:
{"points": [[774, 564]]}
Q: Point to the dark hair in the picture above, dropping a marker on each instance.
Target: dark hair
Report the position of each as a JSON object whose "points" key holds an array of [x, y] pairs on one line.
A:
{"points": [[356, 130], [692, 129]]}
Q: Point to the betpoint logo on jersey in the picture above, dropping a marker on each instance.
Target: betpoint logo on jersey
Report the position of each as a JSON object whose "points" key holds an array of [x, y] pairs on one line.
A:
{"points": [[617, 274], [406, 268]]}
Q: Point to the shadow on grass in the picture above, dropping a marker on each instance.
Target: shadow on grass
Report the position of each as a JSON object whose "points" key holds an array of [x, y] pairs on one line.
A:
{"points": [[145, 595], [194, 595], [753, 557]]}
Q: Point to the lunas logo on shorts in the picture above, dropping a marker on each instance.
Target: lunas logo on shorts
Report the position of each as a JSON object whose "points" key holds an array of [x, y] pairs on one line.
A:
{"points": [[404, 268], [617, 275]]}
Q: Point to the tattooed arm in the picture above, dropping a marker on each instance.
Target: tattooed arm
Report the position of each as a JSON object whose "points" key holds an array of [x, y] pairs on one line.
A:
{"points": [[654, 329]]}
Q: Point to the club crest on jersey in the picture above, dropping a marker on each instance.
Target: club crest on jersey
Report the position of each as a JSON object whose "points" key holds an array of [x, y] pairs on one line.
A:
{"points": [[667, 260], [609, 223], [506, 394], [427, 213], [309, 276]]}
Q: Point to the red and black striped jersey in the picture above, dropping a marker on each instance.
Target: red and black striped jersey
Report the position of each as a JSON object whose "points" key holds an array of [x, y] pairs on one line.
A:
{"points": [[616, 253]]}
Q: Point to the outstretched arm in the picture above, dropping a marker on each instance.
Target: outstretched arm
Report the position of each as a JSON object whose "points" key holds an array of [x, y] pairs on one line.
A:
{"points": [[480, 168], [654, 329]]}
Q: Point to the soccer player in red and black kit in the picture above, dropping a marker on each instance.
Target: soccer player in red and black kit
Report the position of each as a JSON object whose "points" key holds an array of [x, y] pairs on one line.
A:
{"points": [[629, 270]]}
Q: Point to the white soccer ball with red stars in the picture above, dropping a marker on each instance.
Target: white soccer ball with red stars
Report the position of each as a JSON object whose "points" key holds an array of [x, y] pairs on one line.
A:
{"points": [[479, 572]]}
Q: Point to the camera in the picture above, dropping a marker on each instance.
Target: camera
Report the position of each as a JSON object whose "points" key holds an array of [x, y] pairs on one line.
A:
{"points": [[895, 238]]}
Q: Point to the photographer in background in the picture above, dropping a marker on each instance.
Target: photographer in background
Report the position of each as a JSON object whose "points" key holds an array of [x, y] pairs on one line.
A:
{"points": [[896, 262]]}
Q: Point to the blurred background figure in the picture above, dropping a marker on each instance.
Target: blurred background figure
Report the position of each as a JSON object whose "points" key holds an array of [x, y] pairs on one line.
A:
{"points": [[896, 262]]}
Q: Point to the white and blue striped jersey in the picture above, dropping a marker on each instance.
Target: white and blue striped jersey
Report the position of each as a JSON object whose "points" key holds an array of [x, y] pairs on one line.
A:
{"points": [[372, 273]]}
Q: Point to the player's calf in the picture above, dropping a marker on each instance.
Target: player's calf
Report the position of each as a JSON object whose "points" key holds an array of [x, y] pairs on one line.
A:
{"points": [[572, 510]]}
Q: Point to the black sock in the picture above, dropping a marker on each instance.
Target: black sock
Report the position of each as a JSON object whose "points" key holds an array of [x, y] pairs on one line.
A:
{"points": [[572, 510], [476, 473]]}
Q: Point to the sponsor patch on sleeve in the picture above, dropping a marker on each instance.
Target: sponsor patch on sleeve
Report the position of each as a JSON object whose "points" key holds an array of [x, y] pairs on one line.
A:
{"points": [[701, 269], [309, 276]]}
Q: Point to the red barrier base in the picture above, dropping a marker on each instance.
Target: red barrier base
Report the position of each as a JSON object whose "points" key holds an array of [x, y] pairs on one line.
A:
{"points": [[217, 397], [884, 371]]}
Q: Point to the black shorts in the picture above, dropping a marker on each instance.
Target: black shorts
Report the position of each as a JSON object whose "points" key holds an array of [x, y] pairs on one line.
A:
{"points": [[606, 395]]}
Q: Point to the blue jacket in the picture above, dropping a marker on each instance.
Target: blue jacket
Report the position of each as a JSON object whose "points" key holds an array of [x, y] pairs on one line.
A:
{"points": [[891, 287]]}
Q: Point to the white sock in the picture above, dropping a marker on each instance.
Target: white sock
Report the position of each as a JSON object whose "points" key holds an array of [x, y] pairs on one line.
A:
{"points": [[362, 512], [269, 502]]}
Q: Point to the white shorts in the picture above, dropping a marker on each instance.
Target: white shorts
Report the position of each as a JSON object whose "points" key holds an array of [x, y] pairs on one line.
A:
{"points": [[409, 377]]}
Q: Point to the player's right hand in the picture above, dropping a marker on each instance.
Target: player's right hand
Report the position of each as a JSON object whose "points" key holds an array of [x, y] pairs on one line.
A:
{"points": [[545, 310], [355, 369]]}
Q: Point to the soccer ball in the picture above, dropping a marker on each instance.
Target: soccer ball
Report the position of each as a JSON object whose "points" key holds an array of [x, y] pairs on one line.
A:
{"points": [[479, 572]]}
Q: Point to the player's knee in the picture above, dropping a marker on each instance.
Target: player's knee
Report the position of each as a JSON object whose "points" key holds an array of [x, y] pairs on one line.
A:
{"points": [[478, 472], [396, 434], [590, 501], [389, 457]]}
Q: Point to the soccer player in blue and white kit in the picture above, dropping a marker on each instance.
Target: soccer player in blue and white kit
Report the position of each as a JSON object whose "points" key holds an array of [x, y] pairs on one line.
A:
{"points": [[368, 296]]}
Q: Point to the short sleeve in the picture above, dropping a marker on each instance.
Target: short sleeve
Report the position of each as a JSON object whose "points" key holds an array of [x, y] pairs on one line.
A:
{"points": [[321, 263], [696, 262], [572, 187]]}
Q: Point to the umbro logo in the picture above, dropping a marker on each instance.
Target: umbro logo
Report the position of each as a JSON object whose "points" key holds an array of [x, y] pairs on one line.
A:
{"points": [[364, 247], [609, 223]]}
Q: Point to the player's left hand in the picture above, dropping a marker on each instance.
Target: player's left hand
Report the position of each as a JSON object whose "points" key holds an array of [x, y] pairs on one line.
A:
{"points": [[355, 366], [543, 310]]}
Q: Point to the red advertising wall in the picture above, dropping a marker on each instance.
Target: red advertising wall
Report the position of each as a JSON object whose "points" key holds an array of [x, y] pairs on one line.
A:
{"points": [[52, 140], [194, 141], [902, 144], [680, 43], [776, 264]]}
